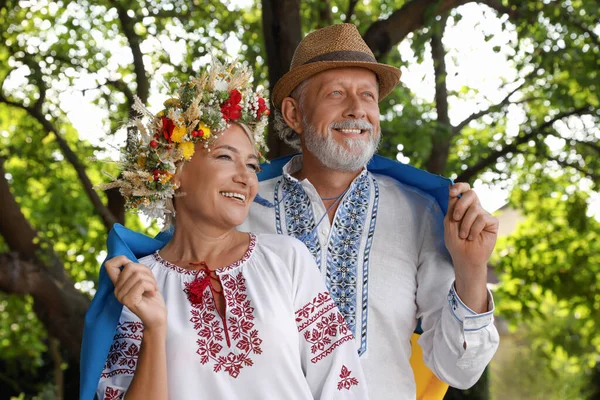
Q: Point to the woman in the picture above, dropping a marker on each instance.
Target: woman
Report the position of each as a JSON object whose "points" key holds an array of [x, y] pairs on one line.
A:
{"points": [[217, 313]]}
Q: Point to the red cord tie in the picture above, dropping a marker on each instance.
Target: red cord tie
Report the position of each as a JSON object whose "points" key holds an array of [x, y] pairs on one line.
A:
{"points": [[195, 289]]}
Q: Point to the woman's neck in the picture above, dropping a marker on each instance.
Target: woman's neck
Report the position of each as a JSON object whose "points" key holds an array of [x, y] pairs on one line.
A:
{"points": [[217, 248]]}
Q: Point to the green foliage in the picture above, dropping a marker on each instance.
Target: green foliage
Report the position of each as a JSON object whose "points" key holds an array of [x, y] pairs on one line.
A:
{"points": [[22, 333], [550, 266], [550, 286], [530, 368]]}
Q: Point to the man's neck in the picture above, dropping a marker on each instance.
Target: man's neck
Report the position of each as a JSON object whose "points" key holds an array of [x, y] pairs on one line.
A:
{"points": [[327, 182]]}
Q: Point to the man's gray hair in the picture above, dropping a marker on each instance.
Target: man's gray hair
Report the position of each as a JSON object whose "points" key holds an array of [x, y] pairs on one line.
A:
{"points": [[285, 132]]}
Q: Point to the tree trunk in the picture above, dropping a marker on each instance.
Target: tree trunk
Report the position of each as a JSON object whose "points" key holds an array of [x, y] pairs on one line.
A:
{"points": [[282, 31], [33, 268], [325, 18], [443, 135]]}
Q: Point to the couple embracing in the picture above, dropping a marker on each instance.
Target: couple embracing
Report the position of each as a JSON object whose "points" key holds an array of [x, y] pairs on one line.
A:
{"points": [[305, 280]]}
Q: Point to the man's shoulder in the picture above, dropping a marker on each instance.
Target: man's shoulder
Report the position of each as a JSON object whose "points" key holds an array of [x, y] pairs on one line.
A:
{"points": [[280, 245], [393, 187]]}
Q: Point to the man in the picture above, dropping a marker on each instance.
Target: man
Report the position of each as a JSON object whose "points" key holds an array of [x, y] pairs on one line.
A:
{"points": [[379, 243]]}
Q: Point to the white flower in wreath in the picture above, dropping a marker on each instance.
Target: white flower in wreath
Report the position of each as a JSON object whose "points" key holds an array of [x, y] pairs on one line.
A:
{"points": [[157, 210], [221, 85]]}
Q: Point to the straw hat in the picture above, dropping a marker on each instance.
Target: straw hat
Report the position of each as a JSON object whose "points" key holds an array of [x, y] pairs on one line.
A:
{"points": [[336, 46]]}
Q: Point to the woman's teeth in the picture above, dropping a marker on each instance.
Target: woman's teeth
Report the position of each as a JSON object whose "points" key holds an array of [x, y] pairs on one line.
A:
{"points": [[234, 195]]}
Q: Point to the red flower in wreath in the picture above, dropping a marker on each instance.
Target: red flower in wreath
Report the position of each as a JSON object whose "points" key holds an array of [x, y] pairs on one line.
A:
{"points": [[262, 108], [167, 128], [231, 109], [235, 97]]}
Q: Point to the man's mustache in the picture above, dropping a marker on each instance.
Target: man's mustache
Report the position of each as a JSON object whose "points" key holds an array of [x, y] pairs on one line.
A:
{"points": [[352, 124]]}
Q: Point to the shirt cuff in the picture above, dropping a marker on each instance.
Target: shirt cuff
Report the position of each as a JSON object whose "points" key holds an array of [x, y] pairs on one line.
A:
{"points": [[470, 319]]}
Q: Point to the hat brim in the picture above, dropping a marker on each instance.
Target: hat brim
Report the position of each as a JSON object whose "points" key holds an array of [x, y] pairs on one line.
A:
{"points": [[387, 75]]}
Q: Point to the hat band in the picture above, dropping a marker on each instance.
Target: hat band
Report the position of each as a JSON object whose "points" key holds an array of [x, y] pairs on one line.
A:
{"points": [[343, 55]]}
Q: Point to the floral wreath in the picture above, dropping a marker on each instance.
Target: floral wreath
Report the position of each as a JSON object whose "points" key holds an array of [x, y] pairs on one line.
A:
{"points": [[203, 109]]}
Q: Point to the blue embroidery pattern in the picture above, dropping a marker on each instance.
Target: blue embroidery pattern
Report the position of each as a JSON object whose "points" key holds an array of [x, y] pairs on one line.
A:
{"points": [[343, 254], [365, 293], [343, 272], [299, 217]]}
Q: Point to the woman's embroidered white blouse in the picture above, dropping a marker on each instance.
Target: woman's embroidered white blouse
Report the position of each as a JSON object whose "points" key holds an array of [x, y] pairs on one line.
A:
{"points": [[281, 336]]}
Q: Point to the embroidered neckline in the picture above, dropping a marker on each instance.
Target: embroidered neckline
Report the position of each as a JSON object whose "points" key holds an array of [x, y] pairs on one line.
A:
{"points": [[227, 268]]}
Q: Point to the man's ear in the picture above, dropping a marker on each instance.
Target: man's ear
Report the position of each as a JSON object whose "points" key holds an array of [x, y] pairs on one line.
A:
{"points": [[291, 113]]}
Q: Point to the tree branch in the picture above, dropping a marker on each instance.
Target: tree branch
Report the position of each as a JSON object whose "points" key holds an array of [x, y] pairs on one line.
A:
{"points": [[33, 268], [475, 116], [482, 164], [592, 145], [11, 216], [583, 28], [595, 177], [350, 12], [18, 234], [383, 35], [42, 93], [57, 304], [122, 87], [128, 26], [107, 217]]}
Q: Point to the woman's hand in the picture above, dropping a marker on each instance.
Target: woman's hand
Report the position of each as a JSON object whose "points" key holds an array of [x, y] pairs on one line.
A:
{"points": [[136, 288]]}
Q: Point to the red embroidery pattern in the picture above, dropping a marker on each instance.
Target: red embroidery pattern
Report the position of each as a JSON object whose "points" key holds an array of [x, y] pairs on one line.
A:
{"points": [[113, 394], [347, 381], [323, 326], [125, 349], [245, 257], [170, 266], [217, 335], [307, 315]]}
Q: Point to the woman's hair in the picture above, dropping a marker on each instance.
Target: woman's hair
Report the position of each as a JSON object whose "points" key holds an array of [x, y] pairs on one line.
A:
{"points": [[247, 131]]}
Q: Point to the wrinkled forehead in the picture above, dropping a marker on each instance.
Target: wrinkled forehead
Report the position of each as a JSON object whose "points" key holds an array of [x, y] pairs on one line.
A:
{"points": [[346, 75]]}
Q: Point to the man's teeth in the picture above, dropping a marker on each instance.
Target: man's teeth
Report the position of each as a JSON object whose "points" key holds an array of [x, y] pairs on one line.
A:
{"points": [[234, 195], [353, 131]]}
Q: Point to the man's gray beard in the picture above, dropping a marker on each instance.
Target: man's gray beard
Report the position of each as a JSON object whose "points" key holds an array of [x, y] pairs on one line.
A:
{"points": [[336, 156]]}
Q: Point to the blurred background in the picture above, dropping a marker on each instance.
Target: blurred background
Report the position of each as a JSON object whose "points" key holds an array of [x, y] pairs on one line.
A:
{"points": [[503, 94]]}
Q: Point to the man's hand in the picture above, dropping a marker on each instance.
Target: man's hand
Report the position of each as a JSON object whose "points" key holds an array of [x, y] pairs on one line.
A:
{"points": [[470, 235], [135, 287]]}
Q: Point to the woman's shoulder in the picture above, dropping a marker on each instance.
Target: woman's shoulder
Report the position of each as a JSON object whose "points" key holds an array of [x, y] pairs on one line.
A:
{"points": [[152, 260], [148, 260], [159, 266]]}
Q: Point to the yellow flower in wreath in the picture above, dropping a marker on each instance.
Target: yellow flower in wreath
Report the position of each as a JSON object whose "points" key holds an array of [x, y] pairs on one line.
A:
{"points": [[187, 149], [178, 133], [202, 131]]}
